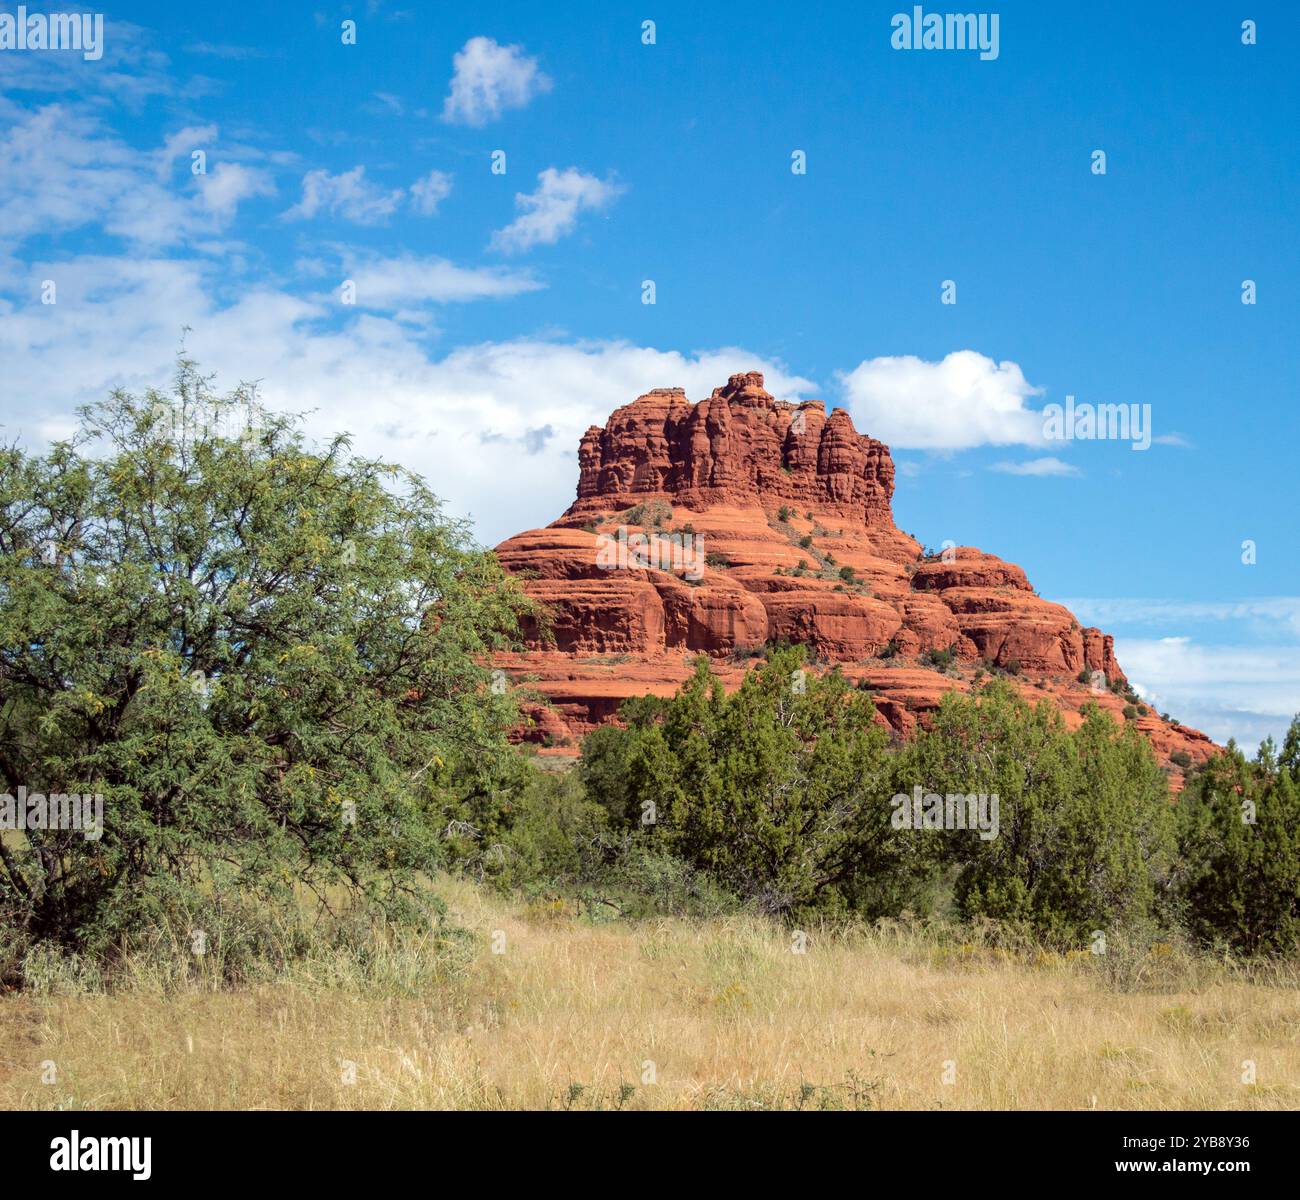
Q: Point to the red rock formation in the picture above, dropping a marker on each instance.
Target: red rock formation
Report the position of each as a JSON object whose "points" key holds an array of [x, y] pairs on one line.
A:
{"points": [[747, 519]]}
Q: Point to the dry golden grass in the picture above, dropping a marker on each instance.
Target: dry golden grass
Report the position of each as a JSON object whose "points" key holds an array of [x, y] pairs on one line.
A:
{"points": [[571, 1014]]}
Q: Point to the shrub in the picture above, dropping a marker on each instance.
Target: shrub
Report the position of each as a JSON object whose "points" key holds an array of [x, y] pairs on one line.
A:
{"points": [[1239, 853], [1085, 833], [652, 514], [943, 659], [777, 792], [268, 657], [848, 574]]}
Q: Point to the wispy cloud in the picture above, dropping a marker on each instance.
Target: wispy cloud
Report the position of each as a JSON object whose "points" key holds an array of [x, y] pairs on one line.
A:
{"points": [[460, 417], [229, 184], [429, 192], [349, 195], [353, 197], [226, 50], [1036, 466], [397, 282], [1279, 613], [65, 171]]}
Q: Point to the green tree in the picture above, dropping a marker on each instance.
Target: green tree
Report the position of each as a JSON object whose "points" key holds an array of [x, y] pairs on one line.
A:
{"points": [[780, 791], [1084, 829], [266, 655], [1239, 851]]}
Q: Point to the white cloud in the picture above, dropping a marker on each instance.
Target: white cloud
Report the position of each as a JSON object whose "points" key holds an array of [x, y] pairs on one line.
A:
{"points": [[1272, 616], [228, 184], [391, 283], [1036, 466], [493, 426], [964, 400], [1246, 692], [183, 143], [349, 195], [551, 212], [65, 171], [430, 191], [488, 78], [390, 103], [132, 72]]}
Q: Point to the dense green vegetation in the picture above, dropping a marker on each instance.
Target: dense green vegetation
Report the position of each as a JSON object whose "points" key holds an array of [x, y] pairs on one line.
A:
{"points": [[269, 657]]}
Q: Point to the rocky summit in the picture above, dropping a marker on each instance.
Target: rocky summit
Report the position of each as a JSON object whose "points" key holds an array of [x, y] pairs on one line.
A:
{"points": [[720, 526]]}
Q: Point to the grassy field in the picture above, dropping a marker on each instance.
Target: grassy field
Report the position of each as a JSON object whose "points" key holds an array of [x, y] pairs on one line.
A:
{"points": [[670, 1014]]}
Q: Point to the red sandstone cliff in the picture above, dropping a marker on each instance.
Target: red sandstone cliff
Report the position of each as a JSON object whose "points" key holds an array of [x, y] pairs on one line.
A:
{"points": [[744, 512]]}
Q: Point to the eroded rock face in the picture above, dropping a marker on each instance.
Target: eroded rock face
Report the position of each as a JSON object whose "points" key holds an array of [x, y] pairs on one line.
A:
{"points": [[740, 446], [783, 516]]}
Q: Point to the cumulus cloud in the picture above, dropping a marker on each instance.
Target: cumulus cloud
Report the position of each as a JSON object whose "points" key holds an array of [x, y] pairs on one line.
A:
{"points": [[1036, 466], [964, 400], [551, 211], [487, 79]]}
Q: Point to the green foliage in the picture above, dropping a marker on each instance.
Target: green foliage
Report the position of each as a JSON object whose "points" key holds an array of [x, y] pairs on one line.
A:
{"points": [[943, 659], [652, 514], [1239, 850], [848, 574], [778, 791], [267, 656], [1085, 832]]}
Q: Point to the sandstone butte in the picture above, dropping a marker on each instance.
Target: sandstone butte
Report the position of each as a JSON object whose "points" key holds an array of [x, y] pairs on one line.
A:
{"points": [[783, 497]]}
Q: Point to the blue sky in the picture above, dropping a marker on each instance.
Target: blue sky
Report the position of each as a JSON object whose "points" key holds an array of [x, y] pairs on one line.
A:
{"points": [[497, 315]]}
